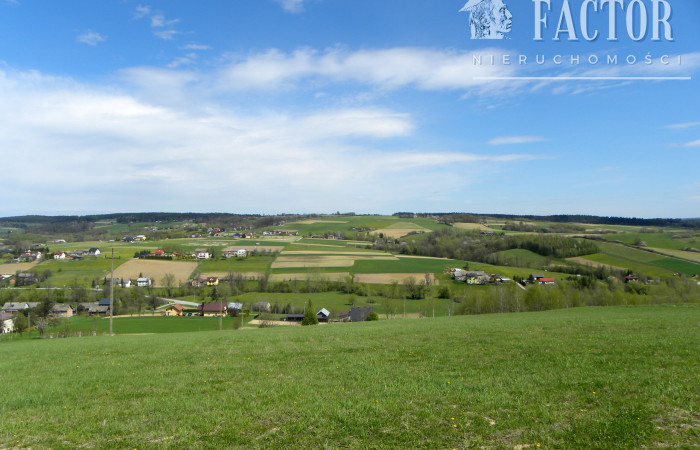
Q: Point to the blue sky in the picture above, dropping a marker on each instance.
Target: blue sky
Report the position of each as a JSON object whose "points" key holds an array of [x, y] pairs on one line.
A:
{"points": [[271, 106]]}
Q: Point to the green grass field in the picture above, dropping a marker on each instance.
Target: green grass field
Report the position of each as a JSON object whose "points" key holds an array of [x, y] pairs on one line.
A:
{"points": [[641, 261], [64, 273], [249, 264], [659, 240], [617, 377]]}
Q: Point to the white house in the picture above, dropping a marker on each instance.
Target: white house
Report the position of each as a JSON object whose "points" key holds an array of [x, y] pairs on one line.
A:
{"points": [[59, 255], [94, 252], [202, 253], [7, 323], [143, 282]]}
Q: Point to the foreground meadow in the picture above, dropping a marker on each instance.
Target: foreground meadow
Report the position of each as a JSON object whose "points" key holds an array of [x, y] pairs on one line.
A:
{"points": [[615, 377]]}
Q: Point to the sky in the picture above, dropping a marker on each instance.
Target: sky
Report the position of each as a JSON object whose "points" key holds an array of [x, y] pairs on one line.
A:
{"points": [[371, 106]]}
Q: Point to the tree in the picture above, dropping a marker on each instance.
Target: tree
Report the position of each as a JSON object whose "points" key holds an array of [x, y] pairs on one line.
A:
{"points": [[20, 323], [168, 281], [309, 316], [373, 316]]}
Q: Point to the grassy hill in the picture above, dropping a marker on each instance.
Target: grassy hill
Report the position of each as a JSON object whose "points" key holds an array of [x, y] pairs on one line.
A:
{"points": [[580, 378]]}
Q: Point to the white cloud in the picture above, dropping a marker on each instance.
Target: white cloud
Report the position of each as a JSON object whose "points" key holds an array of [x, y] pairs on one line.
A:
{"points": [[210, 157], [90, 38], [394, 68], [162, 28], [293, 6], [683, 126], [692, 144], [196, 47], [509, 140]]}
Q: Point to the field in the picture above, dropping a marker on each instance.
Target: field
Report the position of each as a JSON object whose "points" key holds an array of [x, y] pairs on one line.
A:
{"points": [[286, 262], [471, 226], [641, 261], [615, 377], [12, 268], [401, 229], [156, 270], [692, 256], [81, 272]]}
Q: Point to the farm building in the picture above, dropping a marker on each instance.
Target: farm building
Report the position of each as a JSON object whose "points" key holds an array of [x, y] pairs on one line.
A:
{"points": [[16, 307], [59, 255], [143, 282], [355, 315], [94, 252], [212, 281], [544, 280], [212, 308], [62, 311]]}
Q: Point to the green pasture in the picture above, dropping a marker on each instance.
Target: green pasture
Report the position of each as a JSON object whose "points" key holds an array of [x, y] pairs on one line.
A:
{"points": [[65, 273], [249, 264], [641, 261], [616, 377], [659, 240]]}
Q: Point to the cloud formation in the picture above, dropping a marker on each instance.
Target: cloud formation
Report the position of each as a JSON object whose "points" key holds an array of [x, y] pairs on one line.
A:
{"points": [[510, 140], [292, 6], [90, 38], [162, 28], [210, 157]]}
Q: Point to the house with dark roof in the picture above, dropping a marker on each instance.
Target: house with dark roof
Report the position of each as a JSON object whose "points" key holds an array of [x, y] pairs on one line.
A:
{"points": [[355, 314], [212, 308]]}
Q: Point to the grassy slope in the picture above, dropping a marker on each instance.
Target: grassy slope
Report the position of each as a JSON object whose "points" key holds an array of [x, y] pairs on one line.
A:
{"points": [[641, 261], [579, 378]]}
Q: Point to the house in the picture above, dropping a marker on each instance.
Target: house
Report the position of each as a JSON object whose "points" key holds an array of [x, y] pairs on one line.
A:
{"points": [[140, 237], [197, 282], [128, 239], [7, 323], [12, 307], [544, 280], [323, 315], [173, 310], [356, 314], [459, 274], [477, 277], [535, 277], [202, 253], [62, 311], [119, 282], [105, 302], [94, 252], [212, 281], [59, 255], [212, 308], [143, 282], [238, 253], [631, 278], [27, 278], [98, 310], [158, 253]]}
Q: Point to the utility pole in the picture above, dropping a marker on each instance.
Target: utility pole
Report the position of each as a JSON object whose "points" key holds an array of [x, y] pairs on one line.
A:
{"points": [[111, 295]]}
